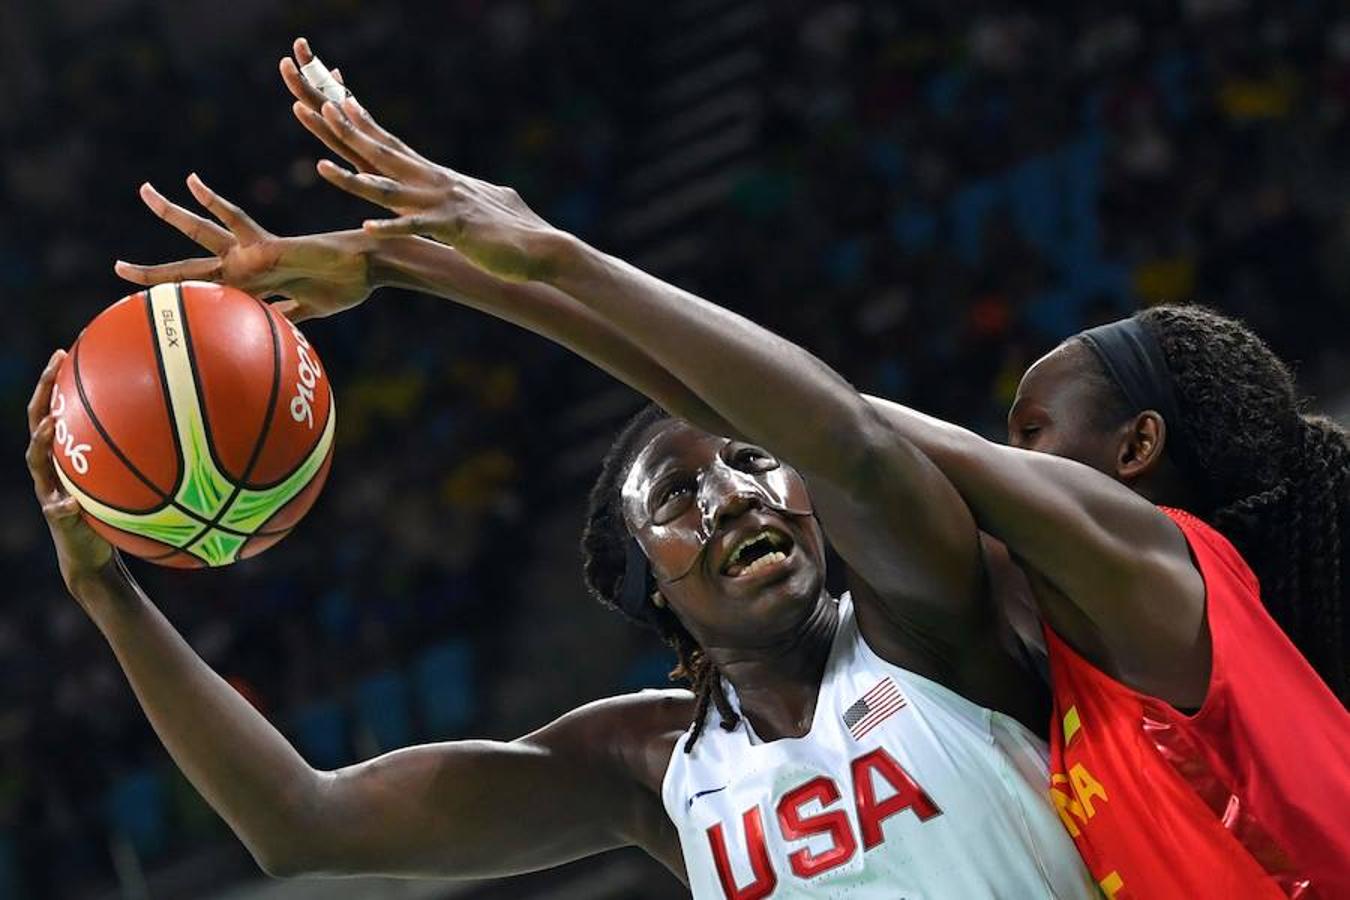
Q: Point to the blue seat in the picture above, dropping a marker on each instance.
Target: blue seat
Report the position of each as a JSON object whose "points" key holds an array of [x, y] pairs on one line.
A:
{"points": [[134, 808], [969, 209], [1034, 199], [321, 734], [443, 684], [382, 709]]}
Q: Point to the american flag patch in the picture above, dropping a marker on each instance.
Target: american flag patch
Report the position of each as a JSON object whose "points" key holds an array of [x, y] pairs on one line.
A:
{"points": [[873, 708]]}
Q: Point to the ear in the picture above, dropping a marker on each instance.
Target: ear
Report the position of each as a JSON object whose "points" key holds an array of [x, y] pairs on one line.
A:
{"points": [[1141, 446]]}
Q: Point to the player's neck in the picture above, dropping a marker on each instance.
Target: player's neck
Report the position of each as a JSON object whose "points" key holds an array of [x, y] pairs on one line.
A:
{"points": [[1167, 486], [778, 683]]}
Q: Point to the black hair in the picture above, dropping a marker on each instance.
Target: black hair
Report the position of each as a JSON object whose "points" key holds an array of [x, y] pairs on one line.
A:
{"points": [[604, 551], [1275, 482]]}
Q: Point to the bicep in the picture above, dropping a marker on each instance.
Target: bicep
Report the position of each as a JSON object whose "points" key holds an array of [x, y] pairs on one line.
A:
{"points": [[466, 809], [1121, 564], [902, 527]]}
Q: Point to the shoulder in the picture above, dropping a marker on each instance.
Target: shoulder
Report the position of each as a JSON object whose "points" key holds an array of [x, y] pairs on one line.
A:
{"points": [[1209, 548], [630, 734]]}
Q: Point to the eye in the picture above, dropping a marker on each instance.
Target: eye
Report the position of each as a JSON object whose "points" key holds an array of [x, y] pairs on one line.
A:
{"points": [[670, 498], [753, 459]]}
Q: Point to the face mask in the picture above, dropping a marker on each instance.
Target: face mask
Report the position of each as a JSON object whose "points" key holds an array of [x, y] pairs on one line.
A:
{"points": [[675, 544]]}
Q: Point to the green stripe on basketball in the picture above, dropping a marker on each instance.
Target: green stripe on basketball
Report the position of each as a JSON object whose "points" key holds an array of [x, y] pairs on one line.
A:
{"points": [[205, 488], [252, 508], [168, 525], [217, 548]]}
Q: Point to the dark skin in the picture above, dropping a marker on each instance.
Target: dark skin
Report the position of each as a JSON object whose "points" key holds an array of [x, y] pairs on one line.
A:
{"points": [[1107, 569], [590, 781], [768, 634], [1100, 556], [1166, 650]]}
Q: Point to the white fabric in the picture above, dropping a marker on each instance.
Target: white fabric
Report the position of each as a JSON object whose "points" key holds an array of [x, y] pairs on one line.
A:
{"points": [[996, 834], [317, 74]]}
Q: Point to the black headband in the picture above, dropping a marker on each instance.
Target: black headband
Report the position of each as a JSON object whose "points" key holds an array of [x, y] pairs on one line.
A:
{"points": [[634, 594], [1133, 359]]}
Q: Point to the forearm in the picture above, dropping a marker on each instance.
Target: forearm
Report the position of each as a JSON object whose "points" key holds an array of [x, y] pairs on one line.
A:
{"points": [[766, 387], [1071, 523], [427, 266], [239, 763]]}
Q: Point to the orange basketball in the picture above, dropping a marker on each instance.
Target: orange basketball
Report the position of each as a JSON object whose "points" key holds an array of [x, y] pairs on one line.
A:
{"points": [[194, 425]]}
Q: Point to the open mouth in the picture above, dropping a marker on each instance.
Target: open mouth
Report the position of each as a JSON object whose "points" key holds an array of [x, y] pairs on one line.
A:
{"points": [[757, 552]]}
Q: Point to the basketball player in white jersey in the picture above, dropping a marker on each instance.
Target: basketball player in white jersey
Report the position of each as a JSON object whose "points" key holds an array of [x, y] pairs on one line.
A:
{"points": [[853, 750]]}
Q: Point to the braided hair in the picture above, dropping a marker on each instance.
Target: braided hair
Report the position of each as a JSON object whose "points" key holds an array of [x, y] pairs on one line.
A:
{"points": [[605, 546], [1274, 481]]}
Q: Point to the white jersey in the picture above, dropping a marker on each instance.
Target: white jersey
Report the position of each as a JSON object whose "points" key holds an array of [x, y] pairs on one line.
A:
{"points": [[901, 790]]}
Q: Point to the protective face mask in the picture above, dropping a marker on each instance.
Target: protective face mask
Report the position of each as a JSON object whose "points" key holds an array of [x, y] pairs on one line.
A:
{"points": [[675, 545]]}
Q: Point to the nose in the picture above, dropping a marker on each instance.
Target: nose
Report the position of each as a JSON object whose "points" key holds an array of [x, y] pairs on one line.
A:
{"points": [[719, 505]]}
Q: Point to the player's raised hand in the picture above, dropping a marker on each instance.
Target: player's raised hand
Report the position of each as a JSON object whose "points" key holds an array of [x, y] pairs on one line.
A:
{"points": [[309, 100], [81, 552], [317, 274], [488, 223]]}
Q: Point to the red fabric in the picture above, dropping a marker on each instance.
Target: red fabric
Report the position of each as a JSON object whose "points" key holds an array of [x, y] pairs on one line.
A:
{"points": [[1249, 797]]}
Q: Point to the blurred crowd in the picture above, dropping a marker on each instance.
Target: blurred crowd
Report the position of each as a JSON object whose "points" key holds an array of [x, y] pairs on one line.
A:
{"points": [[938, 193]]}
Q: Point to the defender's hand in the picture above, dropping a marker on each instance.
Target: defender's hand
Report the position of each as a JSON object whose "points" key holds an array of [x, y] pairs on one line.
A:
{"points": [[82, 553], [487, 223], [318, 274]]}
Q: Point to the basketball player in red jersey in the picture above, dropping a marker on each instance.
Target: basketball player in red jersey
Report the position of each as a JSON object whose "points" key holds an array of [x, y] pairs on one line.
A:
{"points": [[1197, 753]]}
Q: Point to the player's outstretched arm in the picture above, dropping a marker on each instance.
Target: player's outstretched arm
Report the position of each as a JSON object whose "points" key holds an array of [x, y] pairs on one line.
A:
{"points": [[315, 274], [463, 809], [1102, 549], [323, 274], [762, 387]]}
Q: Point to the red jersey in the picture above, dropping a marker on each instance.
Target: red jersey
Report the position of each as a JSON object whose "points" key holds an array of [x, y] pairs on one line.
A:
{"points": [[1249, 797]]}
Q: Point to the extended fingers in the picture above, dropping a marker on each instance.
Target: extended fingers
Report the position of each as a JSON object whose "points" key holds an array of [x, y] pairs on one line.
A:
{"points": [[302, 50], [41, 401], [198, 229], [366, 123], [40, 465], [388, 160], [234, 218], [417, 224], [377, 189], [318, 126], [203, 268]]}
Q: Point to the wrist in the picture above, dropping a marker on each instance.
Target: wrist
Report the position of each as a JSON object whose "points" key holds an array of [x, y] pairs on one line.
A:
{"points": [[105, 589], [370, 252], [559, 256]]}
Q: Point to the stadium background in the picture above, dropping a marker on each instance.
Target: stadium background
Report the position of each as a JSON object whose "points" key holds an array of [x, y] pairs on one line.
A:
{"points": [[927, 194]]}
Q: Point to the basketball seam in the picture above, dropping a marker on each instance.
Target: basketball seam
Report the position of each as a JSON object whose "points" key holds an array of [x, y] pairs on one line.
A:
{"points": [[328, 411], [199, 395], [274, 391], [171, 548], [117, 451], [168, 399], [276, 512]]}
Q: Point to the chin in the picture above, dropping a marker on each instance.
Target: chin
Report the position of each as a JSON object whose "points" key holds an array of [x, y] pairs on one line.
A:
{"points": [[789, 600]]}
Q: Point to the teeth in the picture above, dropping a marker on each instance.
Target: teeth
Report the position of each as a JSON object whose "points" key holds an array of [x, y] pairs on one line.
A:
{"points": [[772, 537], [767, 559]]}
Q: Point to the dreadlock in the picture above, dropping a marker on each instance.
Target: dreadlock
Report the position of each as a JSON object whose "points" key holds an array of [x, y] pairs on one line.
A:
{"points": [[604, 559], [1276, 482]]}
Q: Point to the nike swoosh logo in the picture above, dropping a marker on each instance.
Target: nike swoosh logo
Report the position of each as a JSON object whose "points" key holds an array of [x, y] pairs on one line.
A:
{"points": [[705, 793]]}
